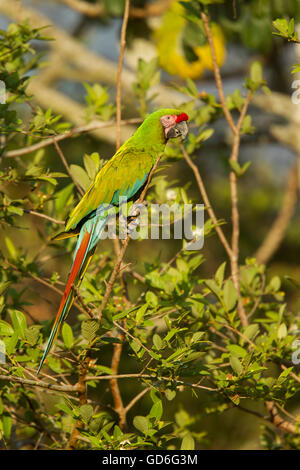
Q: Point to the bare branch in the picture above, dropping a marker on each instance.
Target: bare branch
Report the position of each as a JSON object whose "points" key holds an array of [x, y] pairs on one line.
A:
{"points": [[217, 73], [39, 383], [66, 165], [280, 225], [120, 65], [44, 216], [206, 200], [73, 132]]}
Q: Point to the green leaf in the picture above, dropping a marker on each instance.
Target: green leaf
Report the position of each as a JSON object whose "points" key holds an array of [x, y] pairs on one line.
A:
{"points": [[89, 329], [15, 210], [13, 252], [11, 345], [151, 299], [282, 331], [230, 295], [236, 365], [141, 312], [90, 166], [62, 197], [19, 321], [7, 425], [6, 329], [219, 276], [156, 410], [86, 412], [251, 331], [281, 25], [256, 72], [141, 424], [188, 443], [32, 334], [157, 341], [237, 350], [80, 176], [170, 394], [67, 335], [213, 286]]}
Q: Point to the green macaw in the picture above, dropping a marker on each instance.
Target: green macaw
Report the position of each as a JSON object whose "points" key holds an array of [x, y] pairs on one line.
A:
{"points": [[121, 177]]}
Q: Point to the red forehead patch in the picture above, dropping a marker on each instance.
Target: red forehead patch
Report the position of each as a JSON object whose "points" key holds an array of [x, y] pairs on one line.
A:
{"points": [[182, 117]]}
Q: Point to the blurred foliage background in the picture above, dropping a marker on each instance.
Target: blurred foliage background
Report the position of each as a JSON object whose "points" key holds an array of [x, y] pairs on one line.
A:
{"points": [[63, 75]]}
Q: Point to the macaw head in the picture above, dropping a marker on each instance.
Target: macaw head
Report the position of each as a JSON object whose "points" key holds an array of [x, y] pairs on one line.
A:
{"points": [[159, 127], [175, 125]]}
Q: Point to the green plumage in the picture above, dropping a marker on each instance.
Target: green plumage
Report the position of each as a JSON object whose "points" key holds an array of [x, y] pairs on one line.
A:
{"points": [[119, 175], [124, 175]]}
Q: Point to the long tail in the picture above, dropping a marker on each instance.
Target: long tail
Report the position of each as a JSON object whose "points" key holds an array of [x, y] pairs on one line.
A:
{"points": [[86, 245]]}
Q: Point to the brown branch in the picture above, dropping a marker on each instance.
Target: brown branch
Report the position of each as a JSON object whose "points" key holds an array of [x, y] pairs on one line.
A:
{"points": [[63, 159], [234, 259], [115, 390], [279, 227], [88, 9], [39, 383], [44, 216], [131, 336], [148, 376], [217, 73], [236, 130], [278, 421], [137, 398], [96, 10], [82, 395], [66, 135], [206, 200], [153, 9], [119, 73]]}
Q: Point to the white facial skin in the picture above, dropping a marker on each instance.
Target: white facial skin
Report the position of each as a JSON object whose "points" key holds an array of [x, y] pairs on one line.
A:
{"points": [[168, 121]]}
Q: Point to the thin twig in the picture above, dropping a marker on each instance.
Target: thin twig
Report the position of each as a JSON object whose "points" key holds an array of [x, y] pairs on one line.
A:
{"points": [[39, 383], [119, 73], [137, 398], [279, 227], [217, 73], [63, 159], [66, 135], [206, 200], [44, 216], [234, 259]]}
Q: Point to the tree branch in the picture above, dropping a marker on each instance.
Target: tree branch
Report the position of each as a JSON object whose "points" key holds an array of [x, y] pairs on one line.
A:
{"points": [[217, 73], [280, 225], [39, 383], [206, 200], [119, 73]]}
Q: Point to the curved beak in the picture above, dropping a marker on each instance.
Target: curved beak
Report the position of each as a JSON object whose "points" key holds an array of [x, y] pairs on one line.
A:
{"points": [[180, 129]]}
